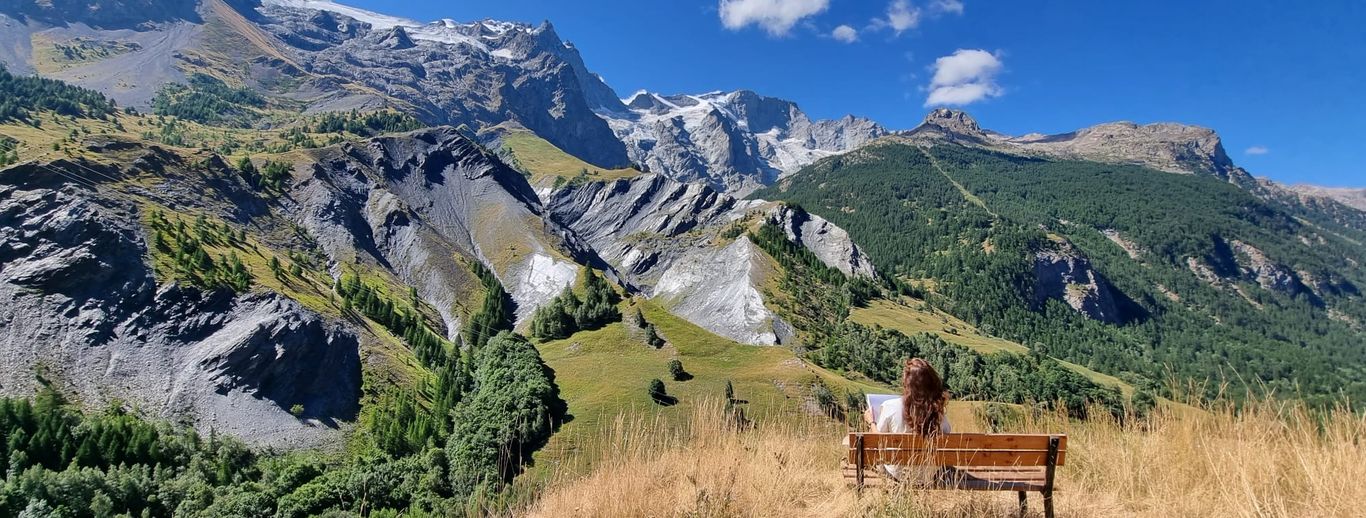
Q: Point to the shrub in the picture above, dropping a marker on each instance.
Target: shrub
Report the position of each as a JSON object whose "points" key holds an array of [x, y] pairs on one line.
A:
{"points": [[657, 391], [676, 370], [825, 399]]}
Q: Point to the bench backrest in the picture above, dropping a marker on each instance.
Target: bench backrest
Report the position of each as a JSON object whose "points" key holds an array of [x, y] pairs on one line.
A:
{"points": [[956, 449]]}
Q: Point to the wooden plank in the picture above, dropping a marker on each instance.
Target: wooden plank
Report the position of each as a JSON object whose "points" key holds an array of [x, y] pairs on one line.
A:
{"points": [[966, 475], [960, 441], [945, 457], [1035, 475], [874, 479]]}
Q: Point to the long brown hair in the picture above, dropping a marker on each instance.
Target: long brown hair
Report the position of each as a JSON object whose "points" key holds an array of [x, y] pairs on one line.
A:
{"points": [[922, 397]]}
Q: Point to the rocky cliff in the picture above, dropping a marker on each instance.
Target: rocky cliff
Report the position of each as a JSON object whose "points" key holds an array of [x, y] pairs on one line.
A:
{"points": [[421, 204], [683, 243], [1170, 147], [479, 73], [324, 56], [84, 314], [1061, 272]]}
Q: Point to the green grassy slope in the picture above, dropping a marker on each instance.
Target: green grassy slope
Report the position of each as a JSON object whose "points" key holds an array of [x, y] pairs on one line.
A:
{"points": [[604, 373], [550, 166]]}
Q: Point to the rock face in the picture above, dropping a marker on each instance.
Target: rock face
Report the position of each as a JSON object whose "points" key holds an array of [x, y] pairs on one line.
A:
{"points": [[717, 289], [1175, 148], [735, 142], [147, 42], [1234, 260], [1255, 265], [831, 244], [331, 57], [422, 204], [1062, 273], [83, 312], [479, 74], [113, 14], [669, 239], [951, 125], [1351, 197]]}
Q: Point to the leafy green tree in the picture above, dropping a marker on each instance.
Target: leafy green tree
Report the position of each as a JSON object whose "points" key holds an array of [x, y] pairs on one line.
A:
{"points": [[512, 412]]}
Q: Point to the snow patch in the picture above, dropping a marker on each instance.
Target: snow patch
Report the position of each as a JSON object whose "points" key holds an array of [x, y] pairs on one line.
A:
{"points": [[445, 30]]}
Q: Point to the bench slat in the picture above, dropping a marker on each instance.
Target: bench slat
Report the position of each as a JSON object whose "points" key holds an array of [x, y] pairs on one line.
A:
{"points": [[946, 457], [1023, 475], [980, 441], [974, 482]]}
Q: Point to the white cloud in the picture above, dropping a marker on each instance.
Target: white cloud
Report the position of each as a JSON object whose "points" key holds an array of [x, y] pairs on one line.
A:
{"points": [[964, 77], [1257, 150], [901, 15], [845, 34], [947, 6], [775, 16]]}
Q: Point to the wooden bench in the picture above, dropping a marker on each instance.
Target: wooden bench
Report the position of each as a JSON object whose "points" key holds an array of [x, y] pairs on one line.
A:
{"points": [[979, 461]]}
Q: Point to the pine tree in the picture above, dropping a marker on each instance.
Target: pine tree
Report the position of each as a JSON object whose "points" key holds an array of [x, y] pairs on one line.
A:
{"points": [[652, 337], [657, 390], [676, 370]]}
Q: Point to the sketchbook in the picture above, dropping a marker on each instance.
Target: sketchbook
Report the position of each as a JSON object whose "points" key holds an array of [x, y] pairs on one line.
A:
{"points": [[875, 402]]}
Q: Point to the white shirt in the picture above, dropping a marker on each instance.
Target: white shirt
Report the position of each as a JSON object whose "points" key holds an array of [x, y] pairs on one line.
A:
{"points": [[891, 419]]}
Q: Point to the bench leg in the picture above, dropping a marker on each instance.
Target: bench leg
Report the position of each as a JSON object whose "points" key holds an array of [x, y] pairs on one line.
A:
{"points": [[1048, 504], [1023, 505]]}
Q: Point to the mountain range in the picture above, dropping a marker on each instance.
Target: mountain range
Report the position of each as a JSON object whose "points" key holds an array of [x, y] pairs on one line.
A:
{"points": [[305, 221]]}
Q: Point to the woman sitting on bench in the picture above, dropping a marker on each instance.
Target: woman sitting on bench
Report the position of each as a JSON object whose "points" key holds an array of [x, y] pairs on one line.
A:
{"points": [[920, 409]]}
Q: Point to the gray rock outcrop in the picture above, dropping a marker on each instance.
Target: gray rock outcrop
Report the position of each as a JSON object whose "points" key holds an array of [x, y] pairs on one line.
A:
{"points": [[670, 239], [1061, 272], [420, 204], [83, 313], [1253, 264], [1170, 147], [1351, 197]]}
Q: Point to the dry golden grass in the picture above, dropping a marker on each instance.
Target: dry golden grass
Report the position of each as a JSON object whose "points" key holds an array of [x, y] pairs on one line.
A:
{"points": [[1268, 459]]}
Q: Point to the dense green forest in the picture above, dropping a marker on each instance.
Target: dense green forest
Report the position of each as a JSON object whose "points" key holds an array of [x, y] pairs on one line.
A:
{"points": [[21, 98], [61, 462], [209, 100], [970, 251], [821, 298]]}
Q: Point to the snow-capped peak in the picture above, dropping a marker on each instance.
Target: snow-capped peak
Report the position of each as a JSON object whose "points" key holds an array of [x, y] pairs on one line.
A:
{"points": [[445, 30], [375, 20]]}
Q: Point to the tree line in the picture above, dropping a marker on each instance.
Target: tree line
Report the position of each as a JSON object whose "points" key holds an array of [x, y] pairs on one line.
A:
{"points": [[22, 97]]}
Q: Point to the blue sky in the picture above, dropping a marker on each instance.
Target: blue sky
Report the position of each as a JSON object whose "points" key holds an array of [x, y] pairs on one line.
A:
{"points": [[1283, 83]]}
